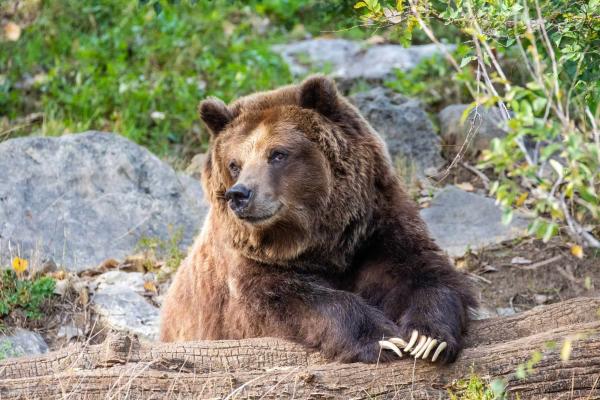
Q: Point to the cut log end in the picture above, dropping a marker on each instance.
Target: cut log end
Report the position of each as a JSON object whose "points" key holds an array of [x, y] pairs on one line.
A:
{"points": [[122, 367]]}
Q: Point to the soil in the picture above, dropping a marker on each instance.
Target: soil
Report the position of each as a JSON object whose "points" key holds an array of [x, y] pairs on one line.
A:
{"points": [[508, 283]]}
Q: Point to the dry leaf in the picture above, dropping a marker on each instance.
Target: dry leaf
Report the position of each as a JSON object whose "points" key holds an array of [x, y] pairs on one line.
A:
{"points": [[12, 31], [19, 265], [84, 297], [565, 352], [521, 200], [149, 286], [577, 251], [466, 186], [110, 263], [59, 275]]}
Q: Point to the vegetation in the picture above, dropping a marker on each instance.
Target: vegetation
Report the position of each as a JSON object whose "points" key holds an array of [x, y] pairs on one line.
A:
{"points": [[140, 67], [167, 251], [27, 295], [475, 388], [550, 161]]}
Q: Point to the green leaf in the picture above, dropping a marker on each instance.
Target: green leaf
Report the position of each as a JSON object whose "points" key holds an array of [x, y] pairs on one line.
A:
{"points": [[360, 4], [557, 167], [467, 60], [551, 230]]}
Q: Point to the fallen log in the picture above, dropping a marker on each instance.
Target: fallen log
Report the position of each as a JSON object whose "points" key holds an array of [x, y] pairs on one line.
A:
{"points": [[122, 367]]}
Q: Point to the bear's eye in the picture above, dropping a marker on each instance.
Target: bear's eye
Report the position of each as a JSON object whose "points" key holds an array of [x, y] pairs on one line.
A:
{"points": [[277, 156], [234, 169]]}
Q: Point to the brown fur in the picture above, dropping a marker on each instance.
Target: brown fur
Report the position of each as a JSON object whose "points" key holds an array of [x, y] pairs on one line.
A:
{"points": [[345, 262]]}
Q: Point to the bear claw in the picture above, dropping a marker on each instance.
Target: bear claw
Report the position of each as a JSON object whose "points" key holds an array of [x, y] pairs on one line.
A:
{"points": [[388, 345], [423, 348]]}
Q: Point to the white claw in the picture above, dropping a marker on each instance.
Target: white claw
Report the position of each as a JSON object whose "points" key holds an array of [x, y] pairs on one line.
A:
{"points": [[411, 342], [398, 342], [440, 348], [390, 346], [423, 348], [419, 345], [429, 348]]}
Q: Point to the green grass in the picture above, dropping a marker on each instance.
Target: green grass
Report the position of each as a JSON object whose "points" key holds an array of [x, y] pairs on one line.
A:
{"points": [[139, 68]]}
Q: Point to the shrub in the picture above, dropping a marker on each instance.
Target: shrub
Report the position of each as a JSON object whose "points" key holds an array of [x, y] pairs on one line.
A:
{"points": [[550, 161], [28, 295]]}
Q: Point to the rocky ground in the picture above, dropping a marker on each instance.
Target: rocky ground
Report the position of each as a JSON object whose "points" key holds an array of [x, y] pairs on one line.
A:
{"points": [[110, 222]]}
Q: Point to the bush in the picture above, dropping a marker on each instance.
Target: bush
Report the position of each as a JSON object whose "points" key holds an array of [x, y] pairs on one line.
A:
{"points": [[25, 294], [550, 161]]}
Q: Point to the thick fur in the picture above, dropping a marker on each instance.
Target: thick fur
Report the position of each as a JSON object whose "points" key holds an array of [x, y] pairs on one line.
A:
{"points": [[347, 263]]}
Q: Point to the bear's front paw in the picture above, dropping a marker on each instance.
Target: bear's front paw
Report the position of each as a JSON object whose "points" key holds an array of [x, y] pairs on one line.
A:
{"points": [[421, 346]]}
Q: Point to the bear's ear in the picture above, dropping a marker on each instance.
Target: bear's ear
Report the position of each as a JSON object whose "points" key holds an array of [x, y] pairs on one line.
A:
{"points": [[215, 114], [320, 94]]}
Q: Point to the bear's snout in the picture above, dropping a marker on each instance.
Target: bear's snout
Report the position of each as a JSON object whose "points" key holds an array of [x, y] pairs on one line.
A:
{"points": [[239, 197]]}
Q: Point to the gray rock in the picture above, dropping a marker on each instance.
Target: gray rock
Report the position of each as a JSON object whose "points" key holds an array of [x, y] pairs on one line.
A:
{"points": [[459, 221], [119, 300], [80, 199], [484, 124], [22, 342], [194, 169], [350, 60], [404, 126], [69, 332]]}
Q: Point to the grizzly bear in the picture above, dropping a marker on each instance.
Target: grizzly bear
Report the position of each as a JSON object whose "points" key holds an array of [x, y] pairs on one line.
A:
{"points": [[311, 237]]}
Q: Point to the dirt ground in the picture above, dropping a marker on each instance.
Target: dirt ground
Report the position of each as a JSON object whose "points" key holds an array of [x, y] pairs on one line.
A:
{"points": [[515, 277]]}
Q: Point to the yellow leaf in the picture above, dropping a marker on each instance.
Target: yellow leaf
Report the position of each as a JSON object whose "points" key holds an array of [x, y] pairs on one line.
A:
{"points": [[19, 264], [149, 286], [577, 251], [466, 186], [565, 352], [522, 199], [12, 31]]}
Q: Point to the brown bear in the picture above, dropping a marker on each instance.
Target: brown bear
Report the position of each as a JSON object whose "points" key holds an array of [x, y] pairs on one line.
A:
{"points": [[311, 237]]}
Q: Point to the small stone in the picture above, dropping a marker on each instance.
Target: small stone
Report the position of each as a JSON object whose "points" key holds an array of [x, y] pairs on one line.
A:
{"points": [[119, 300], [22, 342], [69, 332], [61, 287], [520, 261], [541, 299], [505, 311]]}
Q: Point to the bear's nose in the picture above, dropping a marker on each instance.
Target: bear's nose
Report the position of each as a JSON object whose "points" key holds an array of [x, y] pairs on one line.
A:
{"points": [[238, 196]]}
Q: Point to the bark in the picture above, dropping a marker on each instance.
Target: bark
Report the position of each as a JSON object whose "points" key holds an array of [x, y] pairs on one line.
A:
{"points": [[122, 367]]}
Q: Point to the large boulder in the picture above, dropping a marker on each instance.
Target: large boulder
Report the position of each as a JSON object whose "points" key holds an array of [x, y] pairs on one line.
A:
{"points": [[460, 221], [80, 199], [481, 126], [351, 60], [404, 125]]}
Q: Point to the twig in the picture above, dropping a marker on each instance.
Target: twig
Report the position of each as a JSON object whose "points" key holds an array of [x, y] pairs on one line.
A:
{"points": [[538, 264], [575, 228], [484, 179]]}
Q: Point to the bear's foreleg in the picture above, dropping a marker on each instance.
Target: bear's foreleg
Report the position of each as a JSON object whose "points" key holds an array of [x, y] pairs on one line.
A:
{"points": [[425, 296], [304, 308]]}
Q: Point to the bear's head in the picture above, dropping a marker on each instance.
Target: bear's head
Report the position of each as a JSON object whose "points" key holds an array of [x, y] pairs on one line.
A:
{"points": [[291, 173]]}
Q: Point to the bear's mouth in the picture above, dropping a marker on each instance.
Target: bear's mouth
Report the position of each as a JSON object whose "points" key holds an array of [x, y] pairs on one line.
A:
{"points": [[260, 218]]}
